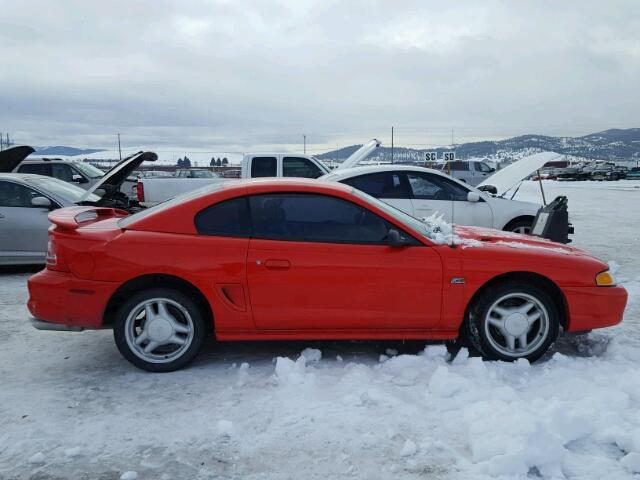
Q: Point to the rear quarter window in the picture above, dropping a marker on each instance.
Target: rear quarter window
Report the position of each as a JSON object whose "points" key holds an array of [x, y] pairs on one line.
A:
{"points": [[229, 218]]}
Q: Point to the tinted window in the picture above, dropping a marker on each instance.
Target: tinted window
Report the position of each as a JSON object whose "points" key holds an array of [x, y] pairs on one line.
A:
{"points": [[381, 185], [37, 168], [225, 219], [299, 167], [314, 218], [16, 195], [264, 167], [425, 186]]}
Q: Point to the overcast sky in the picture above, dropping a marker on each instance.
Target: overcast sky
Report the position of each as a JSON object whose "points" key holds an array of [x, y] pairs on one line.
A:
{"points": [[242, 74]]}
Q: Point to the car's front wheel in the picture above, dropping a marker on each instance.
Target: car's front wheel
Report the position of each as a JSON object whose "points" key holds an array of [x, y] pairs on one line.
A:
{"points": [[513, 321], [159, 330]]}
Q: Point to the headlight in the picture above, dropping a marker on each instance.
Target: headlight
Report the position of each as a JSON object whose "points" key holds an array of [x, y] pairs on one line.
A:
{"points": [[605, 279]]}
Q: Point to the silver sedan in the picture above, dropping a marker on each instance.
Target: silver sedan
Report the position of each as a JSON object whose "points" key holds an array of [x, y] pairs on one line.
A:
{"points": [[25, 202]]}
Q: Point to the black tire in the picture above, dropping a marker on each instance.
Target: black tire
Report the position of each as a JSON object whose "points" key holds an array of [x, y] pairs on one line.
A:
{"points": [[181, 308], [484, 336], [523, 225]]}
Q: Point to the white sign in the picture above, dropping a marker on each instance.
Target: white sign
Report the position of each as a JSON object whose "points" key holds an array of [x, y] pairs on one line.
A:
{"points": [[431, 156], [449, 156]]}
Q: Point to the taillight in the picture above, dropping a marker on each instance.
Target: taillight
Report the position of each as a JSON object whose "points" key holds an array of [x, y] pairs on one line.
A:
{"points": [[140, 191], [54, 261]]}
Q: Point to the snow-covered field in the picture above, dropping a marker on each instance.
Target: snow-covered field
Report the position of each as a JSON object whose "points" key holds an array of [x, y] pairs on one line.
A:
{"points": [[71, 407]]}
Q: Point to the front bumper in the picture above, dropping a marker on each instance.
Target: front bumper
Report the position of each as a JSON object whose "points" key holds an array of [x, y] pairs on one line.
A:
{"points": [[594, 307], [59, 298]]}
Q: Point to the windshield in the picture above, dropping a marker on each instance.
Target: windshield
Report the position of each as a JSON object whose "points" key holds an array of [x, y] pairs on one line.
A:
{"points": [[89, 170], [63, 190]]}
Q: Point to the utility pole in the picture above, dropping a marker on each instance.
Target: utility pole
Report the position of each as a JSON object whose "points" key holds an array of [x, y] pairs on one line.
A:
{"points": [[392, 145], [304, 138], [119, 149]]}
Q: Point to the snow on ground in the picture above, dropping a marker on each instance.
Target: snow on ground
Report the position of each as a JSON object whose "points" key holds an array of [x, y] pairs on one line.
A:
{"points": [[71, 407]]}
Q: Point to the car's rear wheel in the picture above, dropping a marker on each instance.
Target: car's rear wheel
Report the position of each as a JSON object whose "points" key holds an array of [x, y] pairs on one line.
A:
{"points": [[513, 321], [523, 226], [159, 330]]}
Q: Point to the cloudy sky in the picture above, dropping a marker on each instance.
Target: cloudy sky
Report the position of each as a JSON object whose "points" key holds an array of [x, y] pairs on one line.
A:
{"points": [[248, 74]]}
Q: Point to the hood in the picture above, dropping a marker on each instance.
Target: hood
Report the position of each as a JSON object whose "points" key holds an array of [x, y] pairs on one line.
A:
{"points": [[115, 177], [356, 157], [511, 240], [511, 175], [12, 157]]}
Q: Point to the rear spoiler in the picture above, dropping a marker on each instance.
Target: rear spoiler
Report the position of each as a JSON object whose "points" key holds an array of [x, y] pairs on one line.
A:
{"points": [[73, 217]]}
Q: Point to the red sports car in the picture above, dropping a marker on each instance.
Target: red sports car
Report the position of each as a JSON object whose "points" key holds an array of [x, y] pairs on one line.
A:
{"points": [[295, 260]]}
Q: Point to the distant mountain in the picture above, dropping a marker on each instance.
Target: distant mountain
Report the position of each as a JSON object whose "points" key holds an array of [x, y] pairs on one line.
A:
{"points": [[67, 151], [614, 144]]}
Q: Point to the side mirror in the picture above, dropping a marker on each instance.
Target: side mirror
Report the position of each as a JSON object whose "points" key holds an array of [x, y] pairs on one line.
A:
{"points": [[473, 197], [395, 239], [40, 202], [489, 189], [101, 192], [78, 179]]}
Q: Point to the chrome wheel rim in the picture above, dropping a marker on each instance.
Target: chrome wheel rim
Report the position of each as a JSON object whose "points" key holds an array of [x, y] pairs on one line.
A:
{"points": [[516, 324], [524, 230], [159, 330]]}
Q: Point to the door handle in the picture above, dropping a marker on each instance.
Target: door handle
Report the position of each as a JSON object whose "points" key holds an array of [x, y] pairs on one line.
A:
{"points": [[277, 264]]}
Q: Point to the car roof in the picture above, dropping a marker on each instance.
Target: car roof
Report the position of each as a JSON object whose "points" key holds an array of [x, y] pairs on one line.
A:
{"points": [[351, 172], [47, 160]]}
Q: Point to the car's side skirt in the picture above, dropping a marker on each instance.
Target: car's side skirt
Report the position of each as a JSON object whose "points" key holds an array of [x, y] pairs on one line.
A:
{"points": [[386, 334]]}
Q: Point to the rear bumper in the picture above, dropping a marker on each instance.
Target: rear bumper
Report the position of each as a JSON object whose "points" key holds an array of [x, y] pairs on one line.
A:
{"points": [[59, 298], [594, 307]]}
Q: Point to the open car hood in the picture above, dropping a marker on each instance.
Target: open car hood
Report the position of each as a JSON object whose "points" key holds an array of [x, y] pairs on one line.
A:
{"points": [[363, 152], [12, 157], [115, 177], [511, 175]]}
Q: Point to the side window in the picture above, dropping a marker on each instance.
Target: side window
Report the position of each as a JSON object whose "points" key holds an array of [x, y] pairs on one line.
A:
{"points": [[426, 186], [483, 167], [37, 168], [299, 167], [381, 185], [304, 217], [458, 166], [62, 171], [229, 218], [264, 167], [16, 195]]}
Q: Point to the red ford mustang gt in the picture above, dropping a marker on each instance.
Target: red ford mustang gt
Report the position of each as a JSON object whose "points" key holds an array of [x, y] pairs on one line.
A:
{"points": [[278, 259]]}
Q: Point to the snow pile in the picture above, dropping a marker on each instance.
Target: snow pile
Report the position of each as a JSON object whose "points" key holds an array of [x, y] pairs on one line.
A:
{"points": [[442, 232], [289, 372]]}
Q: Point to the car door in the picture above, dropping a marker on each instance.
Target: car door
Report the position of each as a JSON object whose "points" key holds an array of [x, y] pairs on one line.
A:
{"points": [[436, 194], [391, 187], [321, 263], [23, 227]]}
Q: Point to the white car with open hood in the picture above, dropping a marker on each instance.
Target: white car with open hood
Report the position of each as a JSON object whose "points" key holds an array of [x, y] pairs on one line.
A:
{"points": [[422, 192]]}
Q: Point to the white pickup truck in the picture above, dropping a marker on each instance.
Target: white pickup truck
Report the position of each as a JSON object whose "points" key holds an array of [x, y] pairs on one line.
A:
{"points": [[254, 165]]}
